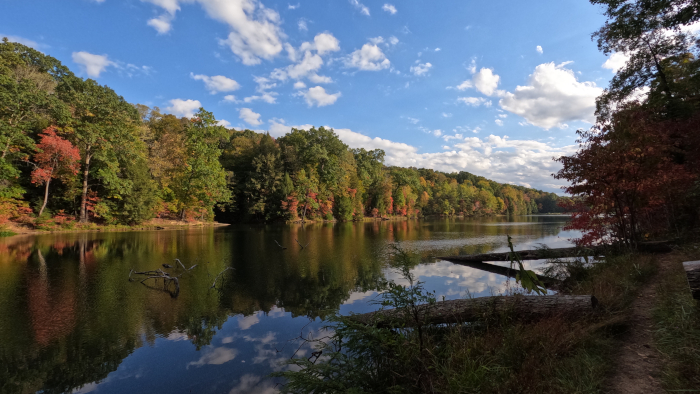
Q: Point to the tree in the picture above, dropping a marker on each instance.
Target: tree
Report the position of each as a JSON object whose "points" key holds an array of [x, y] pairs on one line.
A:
{"points": [[203, 183], [103, 127], [56, 158]]}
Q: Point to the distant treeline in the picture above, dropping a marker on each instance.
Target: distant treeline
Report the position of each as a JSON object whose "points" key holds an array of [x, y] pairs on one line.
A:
{"points": [[71, 149]]}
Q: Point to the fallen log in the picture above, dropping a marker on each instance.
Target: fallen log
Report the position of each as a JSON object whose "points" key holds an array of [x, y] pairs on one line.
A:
{"points": [[536, 254], [474, 309], [692, 271], [505, 271]]}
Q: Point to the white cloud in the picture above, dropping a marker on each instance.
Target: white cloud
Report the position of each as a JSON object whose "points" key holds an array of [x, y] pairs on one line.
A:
{"points": [[299, 85], [475, 101], [268, 97], [229, 98], [472, 66], [539, 49], [217, 83], [293, 7], [437, 49], [324, 43], [361, 7], [486, 81], [376, 40], [499, 122], [465, 85], [22, 40], [446, 115], [92, 64], [183, 108], [369, 58], [616, 61], [255, 30], [389, 8], [495, 157], [315, 78], [421, 69], [393, 40], [224, 122], [302, 25], [162, 23], [553, 97], [246, 322], [278, 128], [318, 96], [413, 120], [249, 116]]}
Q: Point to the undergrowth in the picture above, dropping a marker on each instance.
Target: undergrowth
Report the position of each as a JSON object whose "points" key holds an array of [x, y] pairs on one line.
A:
{"points": [[677, 333], [499, 354]]}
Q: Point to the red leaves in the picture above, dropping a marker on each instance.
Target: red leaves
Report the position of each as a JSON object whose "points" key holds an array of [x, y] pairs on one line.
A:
{"points": [[57, 157], [628, 175]]}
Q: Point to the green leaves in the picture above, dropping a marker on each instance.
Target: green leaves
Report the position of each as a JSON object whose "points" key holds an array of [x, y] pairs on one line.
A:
{"points": [[527, 278]]}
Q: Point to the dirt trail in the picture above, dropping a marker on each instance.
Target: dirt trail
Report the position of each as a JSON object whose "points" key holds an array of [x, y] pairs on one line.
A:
{"points": [[638, 362]]}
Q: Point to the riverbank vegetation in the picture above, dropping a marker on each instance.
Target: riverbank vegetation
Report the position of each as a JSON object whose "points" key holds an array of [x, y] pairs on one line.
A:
{"points": [[73, 151]]}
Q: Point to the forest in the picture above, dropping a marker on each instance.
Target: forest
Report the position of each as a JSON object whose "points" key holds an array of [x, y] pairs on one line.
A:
{"points": [[76, 152]]}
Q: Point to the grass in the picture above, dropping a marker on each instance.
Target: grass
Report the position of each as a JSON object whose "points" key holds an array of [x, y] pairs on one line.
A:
{"points": [[677, 332], [496, 355]]}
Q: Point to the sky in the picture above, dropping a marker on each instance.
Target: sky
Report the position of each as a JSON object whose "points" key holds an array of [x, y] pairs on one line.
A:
{"points": [[496, 88]]}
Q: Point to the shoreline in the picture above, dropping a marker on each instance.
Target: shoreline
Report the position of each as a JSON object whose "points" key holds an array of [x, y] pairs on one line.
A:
{"points": [[97, 228]]}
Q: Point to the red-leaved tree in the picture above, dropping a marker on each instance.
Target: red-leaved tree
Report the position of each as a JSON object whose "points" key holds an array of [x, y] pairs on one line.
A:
{"points": [[57, 158]]}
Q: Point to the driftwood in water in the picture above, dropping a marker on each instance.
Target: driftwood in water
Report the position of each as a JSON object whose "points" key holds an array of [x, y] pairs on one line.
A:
{"points": [[156, 275], [546, 253], [505, 271], [692, 271], [536, 254], [469, 310]]}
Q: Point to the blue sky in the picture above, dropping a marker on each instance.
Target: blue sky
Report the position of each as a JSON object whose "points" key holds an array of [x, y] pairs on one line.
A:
{"points": [[496, 88]]}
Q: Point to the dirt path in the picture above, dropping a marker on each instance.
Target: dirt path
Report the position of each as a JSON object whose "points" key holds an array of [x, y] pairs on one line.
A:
{"points": [[638, 361]]}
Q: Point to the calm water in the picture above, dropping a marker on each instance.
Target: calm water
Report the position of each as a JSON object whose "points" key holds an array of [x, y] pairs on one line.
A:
{"points": [[71, 321]]}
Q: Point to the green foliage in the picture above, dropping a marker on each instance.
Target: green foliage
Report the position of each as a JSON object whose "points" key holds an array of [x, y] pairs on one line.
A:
{"points": [[527, 278]]}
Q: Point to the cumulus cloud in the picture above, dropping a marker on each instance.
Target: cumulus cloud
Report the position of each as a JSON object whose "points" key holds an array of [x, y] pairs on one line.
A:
{"points": [[421, 68], [361, 7], [389, 8], [223, 122], [311, 62], [552, 97], [486, 81], [616, 61], [393, 40], [255, 31], [217, 83], [475, 101], [323, 43], [499, 122], [539, 49], [186, 108], [92, 64], [318, 96], [215, 356], [229, 98], [249, 116], [495, 157], [369, 58], [299, 85]]}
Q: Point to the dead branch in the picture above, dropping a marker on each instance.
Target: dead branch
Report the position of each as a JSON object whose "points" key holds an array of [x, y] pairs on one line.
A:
{"points": [[278, 244], [159, 274], [303, 246], [219, 274]]}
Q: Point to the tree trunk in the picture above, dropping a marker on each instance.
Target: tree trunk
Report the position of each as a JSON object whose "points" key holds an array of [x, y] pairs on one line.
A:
{"points": [[83, 202], [526, 254], [505, 271], [692, 271], [46, 196], [468, 310]]}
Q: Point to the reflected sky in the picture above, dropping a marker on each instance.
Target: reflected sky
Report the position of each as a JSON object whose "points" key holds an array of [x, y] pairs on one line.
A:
{"points": [[71, 321]]}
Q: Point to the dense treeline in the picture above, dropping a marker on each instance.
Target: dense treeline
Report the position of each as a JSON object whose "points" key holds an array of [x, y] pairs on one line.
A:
{"points": [[74, 150], [636, 172]]}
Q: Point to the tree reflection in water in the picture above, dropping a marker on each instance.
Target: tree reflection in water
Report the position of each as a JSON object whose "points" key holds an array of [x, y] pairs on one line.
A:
{"points": [[69, 316]]}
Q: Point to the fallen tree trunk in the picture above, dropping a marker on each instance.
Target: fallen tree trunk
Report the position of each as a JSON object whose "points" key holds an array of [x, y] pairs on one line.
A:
{"points": [[692, 271], [536, 254], [469, 310], [505, 271]]}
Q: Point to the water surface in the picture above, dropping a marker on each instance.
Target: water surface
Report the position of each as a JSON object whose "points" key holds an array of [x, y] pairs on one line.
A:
{"points": [[71, 321]]}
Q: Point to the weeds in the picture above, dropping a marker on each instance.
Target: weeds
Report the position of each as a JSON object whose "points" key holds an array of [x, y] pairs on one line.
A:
{"points": [[496, 355], [677, 334]]}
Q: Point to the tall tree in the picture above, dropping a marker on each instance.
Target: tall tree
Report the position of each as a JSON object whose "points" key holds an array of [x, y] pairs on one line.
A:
{"points": [[57, 158]]}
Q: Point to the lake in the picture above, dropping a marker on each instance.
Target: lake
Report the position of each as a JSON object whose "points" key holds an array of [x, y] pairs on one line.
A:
{"points": [[71, 321]]}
